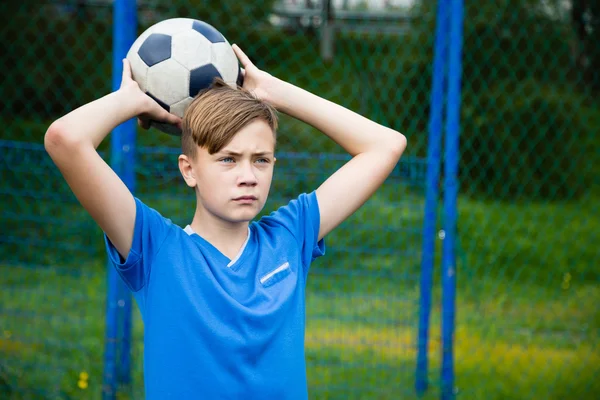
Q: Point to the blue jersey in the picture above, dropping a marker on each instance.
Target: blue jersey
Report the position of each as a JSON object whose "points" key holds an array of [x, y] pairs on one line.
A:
{"points": [[220, 328]]}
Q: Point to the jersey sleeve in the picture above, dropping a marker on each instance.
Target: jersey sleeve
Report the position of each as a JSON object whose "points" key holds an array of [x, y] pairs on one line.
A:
{"points": [[302, 218], [150, 231]]}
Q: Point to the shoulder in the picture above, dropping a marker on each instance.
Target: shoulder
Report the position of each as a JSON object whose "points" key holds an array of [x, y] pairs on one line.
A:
{"points": [[149, 215], [291, 215], [293, 225], [151, 228]]}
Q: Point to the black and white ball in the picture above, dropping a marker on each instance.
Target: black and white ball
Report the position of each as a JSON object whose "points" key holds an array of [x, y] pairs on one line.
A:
{"points": [[176, 58]]}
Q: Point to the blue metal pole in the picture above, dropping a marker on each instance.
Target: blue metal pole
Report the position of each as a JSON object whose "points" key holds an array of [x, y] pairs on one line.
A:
{"points": [[117, 352], [109, 386], [126, 24], [450, 198], [431, 191]]}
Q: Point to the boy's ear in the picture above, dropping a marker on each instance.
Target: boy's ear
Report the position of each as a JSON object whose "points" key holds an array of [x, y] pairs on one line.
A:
{"points": [[187, 171]]}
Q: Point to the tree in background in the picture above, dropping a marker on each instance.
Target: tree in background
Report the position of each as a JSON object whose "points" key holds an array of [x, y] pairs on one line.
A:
{"points": [[585, 15], [234, 18]]}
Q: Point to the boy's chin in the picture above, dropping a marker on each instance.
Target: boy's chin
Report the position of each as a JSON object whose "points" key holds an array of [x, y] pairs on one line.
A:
{"points": [[241, 216]]}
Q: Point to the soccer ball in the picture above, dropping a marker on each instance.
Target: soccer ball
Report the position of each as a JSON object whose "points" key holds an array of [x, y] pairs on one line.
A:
{"points": [[176, 58]]}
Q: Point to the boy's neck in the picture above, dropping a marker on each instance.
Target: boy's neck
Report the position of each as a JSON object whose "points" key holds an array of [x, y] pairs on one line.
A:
{"points": [[227, 237]]}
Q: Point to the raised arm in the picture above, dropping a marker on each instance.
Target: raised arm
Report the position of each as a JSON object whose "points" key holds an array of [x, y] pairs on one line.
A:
{"points": [[72, 140], [375, 149]]}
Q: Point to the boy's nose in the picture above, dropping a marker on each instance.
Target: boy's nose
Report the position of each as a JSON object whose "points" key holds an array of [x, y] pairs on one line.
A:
{"points": [[247, 176]]}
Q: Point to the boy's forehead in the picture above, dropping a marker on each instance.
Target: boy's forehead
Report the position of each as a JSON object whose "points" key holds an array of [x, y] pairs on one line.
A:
{"points": [[251, 140]]}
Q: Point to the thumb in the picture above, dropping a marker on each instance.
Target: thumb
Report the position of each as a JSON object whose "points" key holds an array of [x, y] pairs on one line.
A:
{"points": [[244, 60], [126, 71]]}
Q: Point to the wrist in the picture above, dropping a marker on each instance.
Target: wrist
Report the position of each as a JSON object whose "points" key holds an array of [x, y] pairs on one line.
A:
{"points": [[276, 93], [131, 101]]}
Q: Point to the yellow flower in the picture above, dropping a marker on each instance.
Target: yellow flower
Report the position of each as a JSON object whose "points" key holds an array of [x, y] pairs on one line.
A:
{"points": [[82, 384], [84, 376]]}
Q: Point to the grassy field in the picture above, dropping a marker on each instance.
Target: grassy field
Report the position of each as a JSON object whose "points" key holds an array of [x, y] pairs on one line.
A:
{"points": [[513, 349]]}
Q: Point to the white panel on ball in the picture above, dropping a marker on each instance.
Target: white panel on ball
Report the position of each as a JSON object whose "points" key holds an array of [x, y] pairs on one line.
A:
{"points": [[169, 81], [224, 59], [191, 49], [172, 26], [180, 107], [139, 70]]}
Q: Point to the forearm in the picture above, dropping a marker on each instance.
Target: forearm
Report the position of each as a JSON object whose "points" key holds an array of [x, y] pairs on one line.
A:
{"points": [[355, 133], [92, 122]]}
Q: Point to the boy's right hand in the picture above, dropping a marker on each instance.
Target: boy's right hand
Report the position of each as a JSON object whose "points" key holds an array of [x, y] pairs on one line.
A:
{"points": [[148, 109]]}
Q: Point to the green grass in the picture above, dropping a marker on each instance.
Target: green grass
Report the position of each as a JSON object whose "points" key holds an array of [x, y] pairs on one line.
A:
{"points": [[503, 350], [523, 329]]}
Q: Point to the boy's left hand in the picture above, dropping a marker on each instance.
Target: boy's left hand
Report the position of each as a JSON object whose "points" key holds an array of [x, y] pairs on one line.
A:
{"points": [[261, 83]]}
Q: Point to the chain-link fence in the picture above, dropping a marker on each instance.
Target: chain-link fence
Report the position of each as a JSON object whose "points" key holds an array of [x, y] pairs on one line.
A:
{"points": [[528, 273], [527, 322]]}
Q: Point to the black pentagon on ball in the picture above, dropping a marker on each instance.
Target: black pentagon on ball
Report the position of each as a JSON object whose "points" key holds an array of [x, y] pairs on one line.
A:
{"points": [[202, 78], [208, 31], [156, 48], [162, 104]]}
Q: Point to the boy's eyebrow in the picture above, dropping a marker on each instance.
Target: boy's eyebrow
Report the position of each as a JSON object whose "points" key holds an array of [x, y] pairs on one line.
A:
{"points": [[234, 153]]}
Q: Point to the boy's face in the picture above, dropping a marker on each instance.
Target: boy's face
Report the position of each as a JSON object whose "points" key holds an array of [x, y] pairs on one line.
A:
{"points": [[233, 184]]}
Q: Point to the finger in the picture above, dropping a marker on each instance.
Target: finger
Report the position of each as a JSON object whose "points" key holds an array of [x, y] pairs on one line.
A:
{"points": [[126, 70], [171, 118], [144, 123], [175, 120], [241, 56]]}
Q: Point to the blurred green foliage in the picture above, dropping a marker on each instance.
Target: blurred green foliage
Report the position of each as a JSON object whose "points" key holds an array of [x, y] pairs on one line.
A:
{"points": [[525, 96]]}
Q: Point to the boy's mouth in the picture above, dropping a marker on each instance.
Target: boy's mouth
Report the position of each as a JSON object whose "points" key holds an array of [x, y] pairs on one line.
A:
{"points": [[245, 199]]}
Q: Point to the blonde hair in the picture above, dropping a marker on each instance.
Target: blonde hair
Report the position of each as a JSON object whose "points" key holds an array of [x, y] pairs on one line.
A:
{"points": [[218, 113]]}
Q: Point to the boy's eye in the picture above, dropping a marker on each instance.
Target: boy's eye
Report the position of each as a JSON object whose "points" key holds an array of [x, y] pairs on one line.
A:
{"points": [[226, 159], [263, 160]]}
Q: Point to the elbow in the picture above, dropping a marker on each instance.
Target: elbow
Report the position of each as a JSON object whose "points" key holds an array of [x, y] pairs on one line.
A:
{"points": [[54, 138], [397, 144], [57, 138]]}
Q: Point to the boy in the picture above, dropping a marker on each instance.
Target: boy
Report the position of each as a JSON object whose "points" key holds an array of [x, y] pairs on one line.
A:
{"points": [[223, 299]]}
